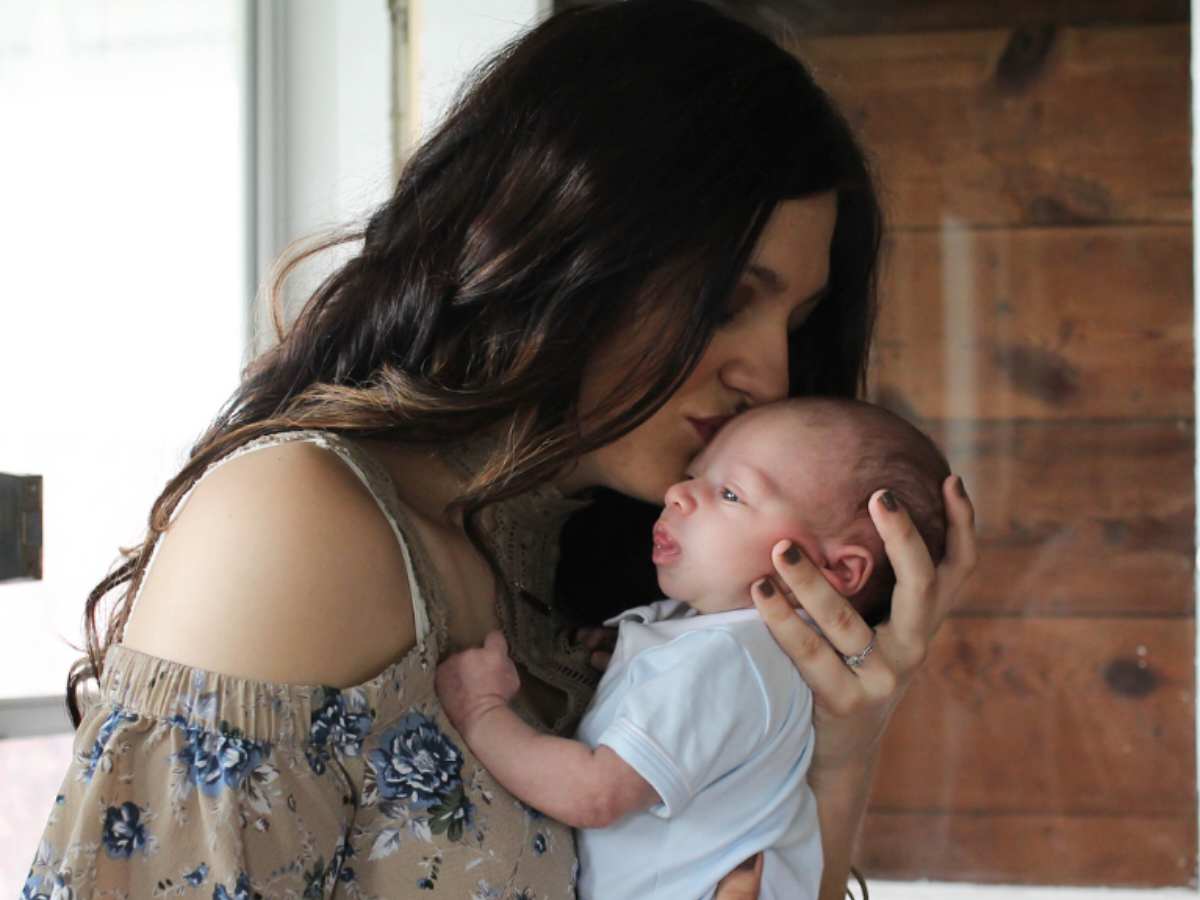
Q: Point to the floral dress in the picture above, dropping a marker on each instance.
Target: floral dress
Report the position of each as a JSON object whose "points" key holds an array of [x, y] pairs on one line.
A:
{"points": [[191, 783]]}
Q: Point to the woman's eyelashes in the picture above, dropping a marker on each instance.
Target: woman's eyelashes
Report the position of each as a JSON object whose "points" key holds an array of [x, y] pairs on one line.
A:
{"points": [[737, 302]]}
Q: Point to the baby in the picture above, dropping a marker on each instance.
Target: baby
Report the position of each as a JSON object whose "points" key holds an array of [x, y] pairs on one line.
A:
{"points": [[693, 754]]}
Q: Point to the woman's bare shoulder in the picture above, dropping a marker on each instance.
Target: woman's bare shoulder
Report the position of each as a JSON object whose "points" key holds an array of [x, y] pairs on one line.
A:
{"points": [[280, 566]]}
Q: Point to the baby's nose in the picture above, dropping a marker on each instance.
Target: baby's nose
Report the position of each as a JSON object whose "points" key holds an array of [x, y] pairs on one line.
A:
{"points": [[679, 497]]}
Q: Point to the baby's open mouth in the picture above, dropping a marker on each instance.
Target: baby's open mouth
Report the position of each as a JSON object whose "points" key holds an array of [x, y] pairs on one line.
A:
{"points": [[666, 549]]}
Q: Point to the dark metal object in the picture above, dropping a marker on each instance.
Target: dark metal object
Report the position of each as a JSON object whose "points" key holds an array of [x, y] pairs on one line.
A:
{"points": [[20, 527]]}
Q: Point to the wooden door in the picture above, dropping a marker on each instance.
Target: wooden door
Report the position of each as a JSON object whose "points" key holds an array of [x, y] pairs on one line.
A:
{"points": [[1037, 317]]}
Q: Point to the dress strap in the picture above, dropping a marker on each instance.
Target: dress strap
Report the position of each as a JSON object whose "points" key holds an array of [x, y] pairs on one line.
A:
{"points": [[379, 485]]}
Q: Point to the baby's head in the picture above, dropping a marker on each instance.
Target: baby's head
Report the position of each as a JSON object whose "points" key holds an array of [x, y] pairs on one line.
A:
{"points": [[801, 470]]}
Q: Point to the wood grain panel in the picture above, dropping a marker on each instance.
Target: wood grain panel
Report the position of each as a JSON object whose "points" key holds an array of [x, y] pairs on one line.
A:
{"points": [[1031, 849], [1042, 323], [1018, 127], [1082, 518], [1047, 716], [887, 16]]}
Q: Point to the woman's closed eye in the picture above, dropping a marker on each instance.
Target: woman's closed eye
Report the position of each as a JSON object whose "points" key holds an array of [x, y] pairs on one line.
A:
{"points": [[735, 305]]}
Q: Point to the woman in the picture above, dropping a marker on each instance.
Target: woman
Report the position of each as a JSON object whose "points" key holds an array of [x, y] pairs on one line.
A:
{"points": [[640, 220]]}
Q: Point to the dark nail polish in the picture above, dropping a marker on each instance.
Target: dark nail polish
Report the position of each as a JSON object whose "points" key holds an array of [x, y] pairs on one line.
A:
{"points": [[889, 501], [766, 588], [791, 555], [962, 489]]}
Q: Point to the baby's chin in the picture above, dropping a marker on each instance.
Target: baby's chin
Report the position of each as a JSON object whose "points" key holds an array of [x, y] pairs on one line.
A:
{"points": [[670, 584], [695, 589]]}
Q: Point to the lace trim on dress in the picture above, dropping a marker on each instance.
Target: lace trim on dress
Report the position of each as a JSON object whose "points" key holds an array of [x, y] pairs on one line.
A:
{"points": [[524, 534]]}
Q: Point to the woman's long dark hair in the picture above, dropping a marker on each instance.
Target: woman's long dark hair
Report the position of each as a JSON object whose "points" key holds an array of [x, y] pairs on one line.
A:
{"points": [[614, 162]]}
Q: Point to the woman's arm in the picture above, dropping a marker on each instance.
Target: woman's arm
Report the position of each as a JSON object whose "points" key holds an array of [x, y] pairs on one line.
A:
{"points": [[853, 706], [565, 779]]}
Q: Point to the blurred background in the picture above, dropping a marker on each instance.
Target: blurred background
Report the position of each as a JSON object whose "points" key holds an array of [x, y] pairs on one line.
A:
{"points": [[1037, 298]]}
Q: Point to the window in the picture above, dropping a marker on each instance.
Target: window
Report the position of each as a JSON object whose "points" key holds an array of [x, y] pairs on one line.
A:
{"points": [[125, 234]]}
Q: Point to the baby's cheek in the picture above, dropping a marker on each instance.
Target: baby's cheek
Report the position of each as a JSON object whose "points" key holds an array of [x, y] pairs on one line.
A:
{"points": [[740, 565]]}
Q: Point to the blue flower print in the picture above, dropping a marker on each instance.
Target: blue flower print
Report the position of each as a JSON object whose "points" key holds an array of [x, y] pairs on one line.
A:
{"points": [[196, 877], [114, 720], [319, 880], [32, 888], [123, 832], [219, 759], [317, 758], [241, 890], [335, 728], [417, 763], [338, 868]]}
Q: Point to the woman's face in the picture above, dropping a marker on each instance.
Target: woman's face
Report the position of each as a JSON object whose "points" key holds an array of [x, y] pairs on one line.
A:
{"points": [[745, 364]]}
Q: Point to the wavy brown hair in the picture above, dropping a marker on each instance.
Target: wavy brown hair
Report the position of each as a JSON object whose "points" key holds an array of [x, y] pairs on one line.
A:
{"points": [[613, 163]]}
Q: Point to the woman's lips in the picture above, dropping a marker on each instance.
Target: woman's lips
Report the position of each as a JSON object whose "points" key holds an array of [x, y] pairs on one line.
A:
{"points": [[666, 549], [707, 428]]}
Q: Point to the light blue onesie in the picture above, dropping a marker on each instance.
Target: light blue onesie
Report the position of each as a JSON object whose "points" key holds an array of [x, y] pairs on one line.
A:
{"points": [[711, 712]]}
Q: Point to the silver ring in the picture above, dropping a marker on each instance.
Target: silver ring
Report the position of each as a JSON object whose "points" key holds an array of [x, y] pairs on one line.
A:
{"points": [[857, 659]]}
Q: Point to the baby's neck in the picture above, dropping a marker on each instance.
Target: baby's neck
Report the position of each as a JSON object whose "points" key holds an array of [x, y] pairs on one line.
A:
{"points": [[715, 603]]}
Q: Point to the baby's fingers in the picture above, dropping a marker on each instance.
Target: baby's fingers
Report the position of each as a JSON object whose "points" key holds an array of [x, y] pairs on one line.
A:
{"points": [[597, 637], [495, 643]]}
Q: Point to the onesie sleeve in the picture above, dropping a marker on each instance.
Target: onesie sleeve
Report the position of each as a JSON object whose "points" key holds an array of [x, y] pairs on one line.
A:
{"points": [[694, 710]]}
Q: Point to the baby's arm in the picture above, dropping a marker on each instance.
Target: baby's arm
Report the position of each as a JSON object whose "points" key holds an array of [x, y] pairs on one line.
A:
{"points": [[565, 779]]}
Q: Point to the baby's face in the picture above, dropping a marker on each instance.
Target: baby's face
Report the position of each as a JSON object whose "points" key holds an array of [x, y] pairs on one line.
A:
{"points": [[766, 477]]}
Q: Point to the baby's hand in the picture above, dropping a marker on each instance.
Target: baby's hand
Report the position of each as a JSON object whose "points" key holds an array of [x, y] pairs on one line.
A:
{"points": [[471, 683]]}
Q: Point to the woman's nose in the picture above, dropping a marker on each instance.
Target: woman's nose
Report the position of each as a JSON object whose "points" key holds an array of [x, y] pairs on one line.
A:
{"points": [[679, 497], [758, 365]]}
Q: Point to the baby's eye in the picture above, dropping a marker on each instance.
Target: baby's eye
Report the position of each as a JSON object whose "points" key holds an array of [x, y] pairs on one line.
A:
{"points": [[727, 494]]}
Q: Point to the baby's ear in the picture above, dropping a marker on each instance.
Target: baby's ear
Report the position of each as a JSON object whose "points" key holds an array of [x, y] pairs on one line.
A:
{"points": [[848, 567]]}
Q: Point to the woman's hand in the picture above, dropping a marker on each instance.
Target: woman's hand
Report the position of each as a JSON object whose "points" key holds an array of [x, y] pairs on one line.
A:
{"points": [[853, 705]]}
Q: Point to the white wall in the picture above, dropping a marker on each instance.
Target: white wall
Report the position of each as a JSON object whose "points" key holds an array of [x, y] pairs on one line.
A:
{"points": [[450, 37], [324, 148]]}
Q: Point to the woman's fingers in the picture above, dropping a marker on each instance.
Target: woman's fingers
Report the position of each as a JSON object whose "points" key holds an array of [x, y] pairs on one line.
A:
{"points": [[923, 594], [961, 551], [838, 620], [914, 616], [834, 685]]}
